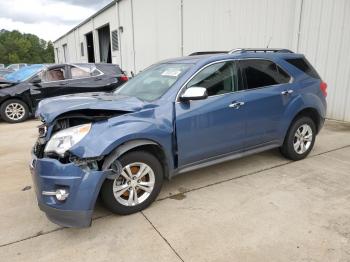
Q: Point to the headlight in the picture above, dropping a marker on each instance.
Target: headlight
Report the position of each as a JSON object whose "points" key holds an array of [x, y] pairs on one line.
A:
{"points": [[65, 139]]}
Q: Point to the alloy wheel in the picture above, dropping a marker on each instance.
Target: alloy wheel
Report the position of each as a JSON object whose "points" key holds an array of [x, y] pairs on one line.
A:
{"points": [[15, 111], [302, 139], [134, 185]]}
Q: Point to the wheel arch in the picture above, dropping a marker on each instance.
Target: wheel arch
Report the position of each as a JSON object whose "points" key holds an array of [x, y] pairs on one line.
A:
{"points": [[135, 145], [309, 105], [311, 113]]}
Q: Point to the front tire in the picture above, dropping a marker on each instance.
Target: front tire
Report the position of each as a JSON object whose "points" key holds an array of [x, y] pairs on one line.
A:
{"points": [[300, 139], [136, 187], [14, 111]]}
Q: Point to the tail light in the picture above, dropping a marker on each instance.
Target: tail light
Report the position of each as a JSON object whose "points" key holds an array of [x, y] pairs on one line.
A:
{"points": [[123, 78], [323, 87]]}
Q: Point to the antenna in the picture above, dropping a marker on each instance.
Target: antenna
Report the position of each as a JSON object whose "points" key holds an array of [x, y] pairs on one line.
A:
{"points": [[268, 43]]}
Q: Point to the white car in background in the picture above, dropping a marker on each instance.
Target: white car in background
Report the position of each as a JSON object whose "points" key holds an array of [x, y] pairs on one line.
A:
{"points": [[15, 67]]}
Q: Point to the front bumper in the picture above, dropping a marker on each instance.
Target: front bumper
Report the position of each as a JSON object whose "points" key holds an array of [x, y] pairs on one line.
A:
{"points": [[67, 218], [82, 184]]}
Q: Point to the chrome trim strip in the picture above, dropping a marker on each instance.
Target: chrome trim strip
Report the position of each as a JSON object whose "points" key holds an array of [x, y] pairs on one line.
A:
{"points": [[48, 193]]}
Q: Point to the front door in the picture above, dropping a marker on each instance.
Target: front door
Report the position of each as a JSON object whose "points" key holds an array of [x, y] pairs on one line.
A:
{"points": [[53, 83], [213, 126]]}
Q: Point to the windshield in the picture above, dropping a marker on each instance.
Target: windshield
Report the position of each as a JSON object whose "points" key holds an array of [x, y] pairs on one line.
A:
{"points": [[24, 73], [152, 83]]}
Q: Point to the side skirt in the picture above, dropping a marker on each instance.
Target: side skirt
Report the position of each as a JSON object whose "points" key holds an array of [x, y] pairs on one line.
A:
{"points": [[224, 158]]}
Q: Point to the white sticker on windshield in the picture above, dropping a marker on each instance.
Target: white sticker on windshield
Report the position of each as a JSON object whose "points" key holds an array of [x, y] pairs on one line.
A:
{"points": [[174, 72]]}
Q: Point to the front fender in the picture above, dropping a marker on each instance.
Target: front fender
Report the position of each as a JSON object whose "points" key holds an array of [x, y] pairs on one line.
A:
{"points": [[106, 136], [19, 91]]}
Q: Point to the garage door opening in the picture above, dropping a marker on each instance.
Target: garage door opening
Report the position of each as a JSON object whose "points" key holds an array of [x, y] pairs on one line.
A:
{"points": [[90, 47], [104, 40]]}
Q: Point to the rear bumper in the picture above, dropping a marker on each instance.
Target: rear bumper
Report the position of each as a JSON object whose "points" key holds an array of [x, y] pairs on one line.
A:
{"points": [[82, 184]]}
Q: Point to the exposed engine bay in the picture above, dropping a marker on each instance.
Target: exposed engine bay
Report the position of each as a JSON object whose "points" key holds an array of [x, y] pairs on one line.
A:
{"points": [[67, 120]]}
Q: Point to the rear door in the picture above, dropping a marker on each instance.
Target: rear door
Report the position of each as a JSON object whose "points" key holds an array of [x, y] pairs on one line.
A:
{"points": [[268, 90], [88, 78], [82, 80], [213, 126]]}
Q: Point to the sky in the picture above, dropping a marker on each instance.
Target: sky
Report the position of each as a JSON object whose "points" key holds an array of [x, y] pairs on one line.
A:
{"points": [[48, 19]]}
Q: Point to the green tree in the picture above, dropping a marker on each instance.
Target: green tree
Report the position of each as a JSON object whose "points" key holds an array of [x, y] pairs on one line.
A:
{"points": [[16, 47]]}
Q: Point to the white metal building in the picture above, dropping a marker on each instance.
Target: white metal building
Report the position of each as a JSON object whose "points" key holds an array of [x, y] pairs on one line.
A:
{"points": [[137, 33]]}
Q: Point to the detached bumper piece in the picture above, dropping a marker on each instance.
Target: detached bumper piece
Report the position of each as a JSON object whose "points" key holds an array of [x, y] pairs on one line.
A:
{"points": [[67, 218], [66, 192]]}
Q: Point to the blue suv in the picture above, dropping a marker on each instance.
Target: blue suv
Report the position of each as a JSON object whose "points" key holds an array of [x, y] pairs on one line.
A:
{"points": [[176, 116]]}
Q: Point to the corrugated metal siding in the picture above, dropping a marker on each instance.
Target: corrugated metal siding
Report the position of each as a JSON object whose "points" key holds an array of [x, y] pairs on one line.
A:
{"points": [[157, 30], [152, 31], [228, 24], [325, 40], [126, 38]]}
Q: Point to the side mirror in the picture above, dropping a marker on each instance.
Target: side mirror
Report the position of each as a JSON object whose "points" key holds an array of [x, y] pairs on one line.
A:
{"points": [[35, 80], [194, 93]]}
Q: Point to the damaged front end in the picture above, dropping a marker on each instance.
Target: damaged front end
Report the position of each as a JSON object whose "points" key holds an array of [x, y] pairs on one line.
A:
{"points": [[66, 185], [64, 122], [66, 192]]}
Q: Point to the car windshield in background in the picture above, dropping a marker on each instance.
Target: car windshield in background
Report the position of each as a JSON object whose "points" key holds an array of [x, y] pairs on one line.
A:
{"points": [[152, 83], [24, 73]]}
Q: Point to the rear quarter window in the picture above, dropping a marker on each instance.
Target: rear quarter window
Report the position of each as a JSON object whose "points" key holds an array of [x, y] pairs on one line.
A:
{"points": [[110, 69], [303, 65]]}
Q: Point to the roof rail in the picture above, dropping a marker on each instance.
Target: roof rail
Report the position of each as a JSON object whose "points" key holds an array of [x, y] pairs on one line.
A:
{"points": [[208, 53], [255, 50]]}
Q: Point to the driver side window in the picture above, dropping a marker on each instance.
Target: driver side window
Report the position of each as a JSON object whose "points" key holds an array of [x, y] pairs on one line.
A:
{"points": [[55, 74], [219, 78]]}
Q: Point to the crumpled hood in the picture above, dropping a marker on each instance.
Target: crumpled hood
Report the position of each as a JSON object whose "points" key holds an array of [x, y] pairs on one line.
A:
{"points": [[50, 108]]}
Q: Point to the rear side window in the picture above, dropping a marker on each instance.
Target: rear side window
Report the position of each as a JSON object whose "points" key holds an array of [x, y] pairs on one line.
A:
{"points": [[303, 65], [83, 71], [260, 73]]}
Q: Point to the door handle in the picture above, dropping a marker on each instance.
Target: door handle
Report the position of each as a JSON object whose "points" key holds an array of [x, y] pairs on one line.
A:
{"points": [[236, 105], [63, 84], [287, 92]]}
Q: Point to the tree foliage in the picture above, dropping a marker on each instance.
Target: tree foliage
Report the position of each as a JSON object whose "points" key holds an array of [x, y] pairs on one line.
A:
{"points": [[16, 47]]}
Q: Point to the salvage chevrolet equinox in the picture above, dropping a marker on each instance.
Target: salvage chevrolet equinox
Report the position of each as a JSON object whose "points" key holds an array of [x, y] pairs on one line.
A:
{"points": [[176, 116]]}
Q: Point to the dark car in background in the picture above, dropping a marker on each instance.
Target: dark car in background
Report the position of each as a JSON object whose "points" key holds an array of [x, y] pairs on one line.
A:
{"points": [[22, 90]]}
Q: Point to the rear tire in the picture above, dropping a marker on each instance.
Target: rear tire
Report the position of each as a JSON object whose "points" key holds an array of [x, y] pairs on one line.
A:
{"points": [[14, 111], [300, 139], [138, 185]]}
